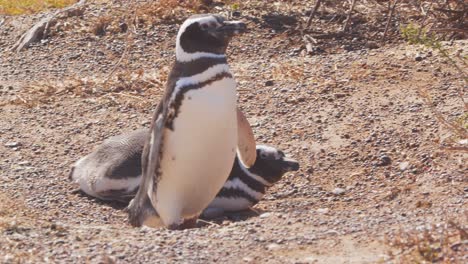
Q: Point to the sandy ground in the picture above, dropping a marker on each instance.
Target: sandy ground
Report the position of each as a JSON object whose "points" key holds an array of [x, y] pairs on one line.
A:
{"points": [[373, 162]]}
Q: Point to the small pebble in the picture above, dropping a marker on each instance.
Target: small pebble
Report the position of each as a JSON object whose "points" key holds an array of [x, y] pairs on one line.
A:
{"points": [[248, 259], [12, 144], [323, 210], [403, 165], [418, 57], [265, 215], [338, 191], [273, 246], [384, 160]]}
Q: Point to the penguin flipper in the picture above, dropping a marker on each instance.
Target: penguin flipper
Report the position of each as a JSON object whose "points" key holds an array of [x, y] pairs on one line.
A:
{"points": [[246, 146], [141, 208]]}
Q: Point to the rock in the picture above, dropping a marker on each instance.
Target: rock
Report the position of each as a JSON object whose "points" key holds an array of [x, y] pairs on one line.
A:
{"points": [[123, 27], [248, 259], [310, 259], [403, 165], [269, 83], [384, 160], [323, 210], [340, 95], [347, 47], [265, 215], [273, 246], [338, 191], [372, 45], [332, 232], [12, 144]]}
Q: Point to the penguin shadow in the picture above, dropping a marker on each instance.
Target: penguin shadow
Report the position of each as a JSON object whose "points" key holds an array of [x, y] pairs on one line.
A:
{"points": [[115, 204], [238, 216]]}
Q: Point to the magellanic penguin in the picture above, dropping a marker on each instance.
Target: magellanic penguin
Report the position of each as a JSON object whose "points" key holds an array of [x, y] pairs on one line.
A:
{"points": [[245, 187], [193, 137], [113, 172]]}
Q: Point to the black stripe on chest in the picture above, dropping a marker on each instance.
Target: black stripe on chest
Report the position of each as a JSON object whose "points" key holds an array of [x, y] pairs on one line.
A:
{"points": [[236, 193], [191, 69], [253, 184], [187, 69]]}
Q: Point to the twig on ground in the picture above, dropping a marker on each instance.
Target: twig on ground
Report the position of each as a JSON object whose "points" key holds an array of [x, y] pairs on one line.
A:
{"points": [[423, 22], [21, 99], [254, 210], [312, 13], [207, 222], [130, 96], [460, 30], [127, 46], [330, 35], [310, 42], [39, 30], [452, 148], [348, 18], [460, 131], [389, 18], [458, 12]]}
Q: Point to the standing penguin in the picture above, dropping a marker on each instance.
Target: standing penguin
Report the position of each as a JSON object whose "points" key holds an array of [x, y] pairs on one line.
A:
{"points": [[195, 130]]}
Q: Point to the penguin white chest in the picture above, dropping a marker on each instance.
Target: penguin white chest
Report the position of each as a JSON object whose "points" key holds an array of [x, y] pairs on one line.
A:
{"points": [[199, 152]]}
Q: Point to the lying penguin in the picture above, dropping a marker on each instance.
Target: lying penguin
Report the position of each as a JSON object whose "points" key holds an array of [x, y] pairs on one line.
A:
{"points": [[113, 172]]}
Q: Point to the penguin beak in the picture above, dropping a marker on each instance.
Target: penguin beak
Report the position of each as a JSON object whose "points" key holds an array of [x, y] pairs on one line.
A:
{"points": [[231, 28], [290, 164]]}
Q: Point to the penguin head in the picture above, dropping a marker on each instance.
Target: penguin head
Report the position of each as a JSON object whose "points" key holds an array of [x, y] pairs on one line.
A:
{"points": [[271, 164], [205, 35]]}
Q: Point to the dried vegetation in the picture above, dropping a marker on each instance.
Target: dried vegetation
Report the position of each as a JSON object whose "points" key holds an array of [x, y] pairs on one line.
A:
{"points": [[20, 7], [444, 243]]}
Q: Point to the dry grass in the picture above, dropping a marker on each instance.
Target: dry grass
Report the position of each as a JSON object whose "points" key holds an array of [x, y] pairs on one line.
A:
{"points": [[133, 89], [445, 243], [458, 128], [292, 70], [170, 10], [99, 28], [19, 7]]}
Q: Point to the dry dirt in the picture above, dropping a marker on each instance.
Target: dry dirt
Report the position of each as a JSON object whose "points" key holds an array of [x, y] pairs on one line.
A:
{"points": [[373, 162]]}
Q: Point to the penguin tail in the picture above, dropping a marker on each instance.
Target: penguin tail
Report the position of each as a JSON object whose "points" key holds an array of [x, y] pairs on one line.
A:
{"points": [[140, 212]]}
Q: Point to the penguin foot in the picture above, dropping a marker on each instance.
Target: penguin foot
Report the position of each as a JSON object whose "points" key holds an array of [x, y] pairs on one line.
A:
{"points": [[76, 191]]}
